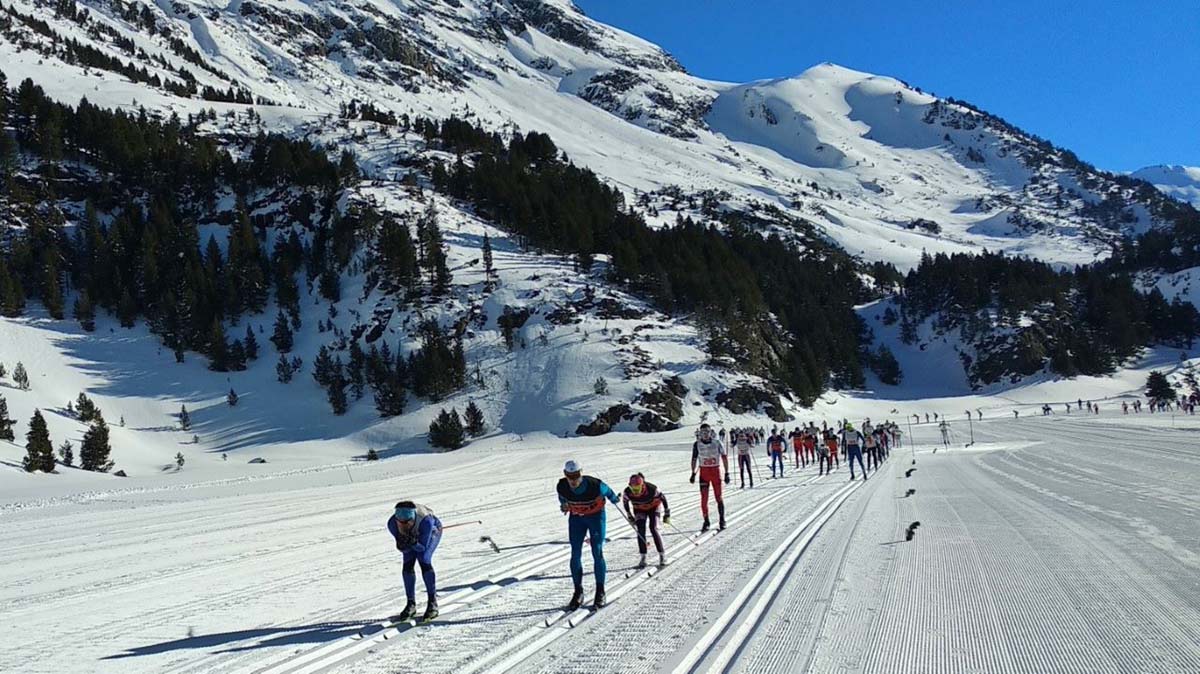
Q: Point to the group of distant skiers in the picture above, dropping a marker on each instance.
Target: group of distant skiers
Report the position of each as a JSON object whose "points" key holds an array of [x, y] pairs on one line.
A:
{"points": [[1185, 405]]}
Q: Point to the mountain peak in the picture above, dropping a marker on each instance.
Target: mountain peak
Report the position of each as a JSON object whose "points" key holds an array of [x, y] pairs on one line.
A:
{"points": [[1181, 182]]}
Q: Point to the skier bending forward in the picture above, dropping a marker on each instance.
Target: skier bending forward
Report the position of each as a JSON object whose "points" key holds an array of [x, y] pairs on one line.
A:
{"points": [[710, 454], [645, 498], [417, 532], [583, 497]]}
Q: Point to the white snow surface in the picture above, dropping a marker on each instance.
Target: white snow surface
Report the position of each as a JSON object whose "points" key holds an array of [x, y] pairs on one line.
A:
{"points": [[1181, 182], [1056, 544]]}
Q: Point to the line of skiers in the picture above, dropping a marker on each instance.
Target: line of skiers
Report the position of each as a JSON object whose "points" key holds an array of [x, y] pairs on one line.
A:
{"points": [[584, 499]]}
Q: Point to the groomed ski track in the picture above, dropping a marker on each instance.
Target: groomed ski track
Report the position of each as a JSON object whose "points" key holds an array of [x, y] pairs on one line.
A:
{"points": [[1059, 544]]}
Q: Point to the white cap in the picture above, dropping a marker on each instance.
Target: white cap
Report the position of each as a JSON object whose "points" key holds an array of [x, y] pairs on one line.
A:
{"points": [[572, 466]]}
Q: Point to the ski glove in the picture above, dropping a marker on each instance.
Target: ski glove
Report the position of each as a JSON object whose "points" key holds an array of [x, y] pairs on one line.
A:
{"points": [[692, 479], [666, 519], [726, 478]]}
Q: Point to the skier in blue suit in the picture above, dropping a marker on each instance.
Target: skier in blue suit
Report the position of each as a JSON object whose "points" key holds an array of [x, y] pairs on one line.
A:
{"points": [[417, 532], [583, 497]]}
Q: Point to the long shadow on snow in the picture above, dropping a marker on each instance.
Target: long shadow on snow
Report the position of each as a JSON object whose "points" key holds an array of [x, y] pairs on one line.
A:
{"points": [[300, 634]]}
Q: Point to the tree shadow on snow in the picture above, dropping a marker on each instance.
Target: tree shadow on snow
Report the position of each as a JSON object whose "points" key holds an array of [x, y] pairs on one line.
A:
{"points": [[280, 636]]}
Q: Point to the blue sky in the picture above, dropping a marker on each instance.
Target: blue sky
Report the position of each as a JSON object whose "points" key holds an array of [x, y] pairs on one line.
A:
{"points": [[1116, 82]]}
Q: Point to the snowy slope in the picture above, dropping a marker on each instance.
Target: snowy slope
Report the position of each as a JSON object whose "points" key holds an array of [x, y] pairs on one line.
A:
{"points": [[1027, 559], [875, 165], [1181, 182], [860, 156]]}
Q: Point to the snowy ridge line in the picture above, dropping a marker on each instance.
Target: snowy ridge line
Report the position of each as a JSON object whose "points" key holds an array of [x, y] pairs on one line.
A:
{"points": [[807, 529], [333, 653], [538, 636]]}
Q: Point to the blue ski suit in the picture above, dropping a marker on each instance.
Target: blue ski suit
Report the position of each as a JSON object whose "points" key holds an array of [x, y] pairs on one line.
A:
{"points": [[585, 504], [417, 544]]}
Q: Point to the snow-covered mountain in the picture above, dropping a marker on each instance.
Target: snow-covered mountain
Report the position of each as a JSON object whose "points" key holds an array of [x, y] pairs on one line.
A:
{"points": [[1181, 182], [831, 158], [875, 165]]}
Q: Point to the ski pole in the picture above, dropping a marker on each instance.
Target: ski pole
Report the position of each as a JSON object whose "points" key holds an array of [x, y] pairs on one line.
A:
{"points": [[629, 521], [460, 524], [687, 536], [754, 460]]}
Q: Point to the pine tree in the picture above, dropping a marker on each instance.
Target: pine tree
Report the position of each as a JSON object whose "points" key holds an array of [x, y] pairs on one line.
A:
{"points": [[126, 310], [237, 356], [85, 408], [323, 367], [336, 388], [218, 348], [1158, 388], [185, 419], [447, 430], [282, 336], [232, 398], [21, 377], [489, 268], [433, 251], [283, 370], [250, 343], [356, 370], [6, 422], [474, 418], [94, 452], [12, 295], [39, 452], [85, 313], [66, 453], [886, 367]]}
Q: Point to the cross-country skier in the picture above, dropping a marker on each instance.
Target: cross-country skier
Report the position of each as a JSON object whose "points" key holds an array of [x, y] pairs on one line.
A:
{"points": [[775, 448], [710, 454], [852, 442], [831, 442], [417, 532], [797, 438], [645, 498], [825, 461], [583, 497], [744, 458]]}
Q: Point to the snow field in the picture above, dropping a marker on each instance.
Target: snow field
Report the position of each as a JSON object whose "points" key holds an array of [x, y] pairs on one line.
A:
{"points": [[1058, 544]]}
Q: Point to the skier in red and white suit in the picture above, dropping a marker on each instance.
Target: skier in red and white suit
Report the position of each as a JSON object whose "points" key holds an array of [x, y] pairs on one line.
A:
{"points": [[710, 455]]}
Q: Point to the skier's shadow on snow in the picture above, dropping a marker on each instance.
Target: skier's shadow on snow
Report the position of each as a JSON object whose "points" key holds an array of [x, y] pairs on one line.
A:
{"points": [[284, 636], [499, 616]]}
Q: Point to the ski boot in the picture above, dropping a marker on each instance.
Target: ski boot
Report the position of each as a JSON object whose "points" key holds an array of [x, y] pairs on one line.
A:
{"points": [[704, 527], [431, 612], [662, 560], [642, 562], [721, 525], [600, 600], [721, 514], [576, 599], [410, 609]]}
